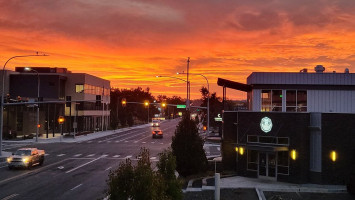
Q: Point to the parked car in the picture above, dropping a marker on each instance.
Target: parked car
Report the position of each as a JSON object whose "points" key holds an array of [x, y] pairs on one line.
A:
{"points": [[26, 157], [157, 133]]}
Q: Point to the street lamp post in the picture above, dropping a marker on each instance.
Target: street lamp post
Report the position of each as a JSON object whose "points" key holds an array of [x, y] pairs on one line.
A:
{"points": [[208, 101], [3, 93], [187, 89], [38, 85]]}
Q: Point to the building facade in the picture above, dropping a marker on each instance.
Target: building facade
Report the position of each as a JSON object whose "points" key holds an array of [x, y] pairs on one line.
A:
{"points": [[300, 127], [56, 86]]}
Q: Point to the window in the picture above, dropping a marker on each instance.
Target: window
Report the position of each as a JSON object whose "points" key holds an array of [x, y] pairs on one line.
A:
{"points": [[283, 163], [79, 88], [252, 160], [271, 100], [296, 101]]}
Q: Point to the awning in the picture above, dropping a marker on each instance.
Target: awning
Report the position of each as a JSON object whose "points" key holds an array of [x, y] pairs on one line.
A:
{"points": [[234, 85], [267, 148]]}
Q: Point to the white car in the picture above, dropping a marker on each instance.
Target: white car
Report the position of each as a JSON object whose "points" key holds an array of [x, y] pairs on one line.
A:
{"points": [[155, 123]]}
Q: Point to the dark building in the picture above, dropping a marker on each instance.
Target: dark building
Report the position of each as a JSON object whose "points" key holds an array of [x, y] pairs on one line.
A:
{"points": [[295, 131]]}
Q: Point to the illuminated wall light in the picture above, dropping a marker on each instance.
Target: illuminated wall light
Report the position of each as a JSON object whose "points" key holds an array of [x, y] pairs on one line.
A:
{"points": [[333, 156], [293, 154], [241, 150], [236, 149]]}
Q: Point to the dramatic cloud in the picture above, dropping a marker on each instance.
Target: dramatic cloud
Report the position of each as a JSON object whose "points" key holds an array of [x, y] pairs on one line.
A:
{"points": [[131, 41]]}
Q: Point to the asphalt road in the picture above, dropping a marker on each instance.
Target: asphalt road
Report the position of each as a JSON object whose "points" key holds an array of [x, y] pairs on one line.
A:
{"points": [[80, 170]]}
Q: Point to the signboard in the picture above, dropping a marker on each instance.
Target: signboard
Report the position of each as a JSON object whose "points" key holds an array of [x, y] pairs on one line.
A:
{"points": [[180, 106], [266, 124], [218, 118]]}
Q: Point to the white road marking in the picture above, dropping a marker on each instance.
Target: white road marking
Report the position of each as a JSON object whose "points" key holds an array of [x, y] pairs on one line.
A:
{"points": [[116, 156], [135, 141], [143, 142], [117, 141], [90, 155], [108, 168], [161, 143], [99, 141], [46, 154], [60, 155], [218, 148], [88, 141], [108, 141], [152, 142], [60, 167], [126, 141], [83, 165], [104, 155], [77, 155], [10, 197], [75, 187], [153, 158], [128, 157]]}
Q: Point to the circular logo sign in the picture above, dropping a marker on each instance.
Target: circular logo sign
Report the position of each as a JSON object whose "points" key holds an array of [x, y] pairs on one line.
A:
{"points": [[266, 124]]}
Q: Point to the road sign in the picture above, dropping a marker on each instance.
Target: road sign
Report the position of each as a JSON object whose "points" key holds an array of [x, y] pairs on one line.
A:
{"points": [[180, 106]]}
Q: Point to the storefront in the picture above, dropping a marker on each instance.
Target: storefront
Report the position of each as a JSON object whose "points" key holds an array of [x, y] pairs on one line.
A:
{"points": [[289, 146]]}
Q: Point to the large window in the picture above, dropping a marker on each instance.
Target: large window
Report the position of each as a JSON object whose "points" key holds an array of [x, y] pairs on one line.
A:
{"points": [[271, 100], [296, 101], [252, 160], [79, 88], [283, 162]]}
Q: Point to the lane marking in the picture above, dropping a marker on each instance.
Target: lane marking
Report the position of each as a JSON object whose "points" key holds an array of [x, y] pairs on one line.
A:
{"points": [[10, 197], [89, 141], [46, 154], [108, 168], [116, 156], [104, 155], [126, 141], [122, 135], [76, 187], [153, 158], [152, 142], [90, 155], [143, 142], [60, 167], [77, 155], [117, 141], [108, 141], [80, 166], [161, 143], [128, 157], [60, 155], [218, 148]]}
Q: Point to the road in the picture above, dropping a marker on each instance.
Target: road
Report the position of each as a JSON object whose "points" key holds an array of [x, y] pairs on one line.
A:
{"points": [[80, 170]]}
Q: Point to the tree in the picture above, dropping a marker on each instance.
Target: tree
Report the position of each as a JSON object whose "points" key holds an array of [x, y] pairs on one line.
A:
{"points": [[166, 168], [120, 181], [187, 147], [141, 182]]}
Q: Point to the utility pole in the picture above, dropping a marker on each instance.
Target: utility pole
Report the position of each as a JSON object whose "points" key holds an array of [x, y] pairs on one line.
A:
{"points": [[188, 85], [103, 108]]}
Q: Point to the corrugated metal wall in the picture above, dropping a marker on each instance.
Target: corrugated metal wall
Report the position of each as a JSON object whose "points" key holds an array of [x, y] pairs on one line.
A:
{"points": [[337, 101]]}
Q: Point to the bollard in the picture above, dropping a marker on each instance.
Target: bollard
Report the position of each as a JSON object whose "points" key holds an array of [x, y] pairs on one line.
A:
{"points": [[217, 186]]}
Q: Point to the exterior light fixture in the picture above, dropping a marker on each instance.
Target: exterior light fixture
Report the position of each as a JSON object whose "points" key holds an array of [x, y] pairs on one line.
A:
{"points": [[333, 156], [124, 102], [236, 149], [163, 105], [293, 154], [241, 150], [146, 103]]}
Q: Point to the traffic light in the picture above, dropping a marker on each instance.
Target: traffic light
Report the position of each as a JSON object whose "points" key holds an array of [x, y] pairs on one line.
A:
{"points": [[163, 105], [98, 100], [124, 102], [146, 103], [68, 101]]}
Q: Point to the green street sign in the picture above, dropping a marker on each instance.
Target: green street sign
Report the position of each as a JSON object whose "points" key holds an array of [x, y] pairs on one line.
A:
{"points": [[180, 106]]}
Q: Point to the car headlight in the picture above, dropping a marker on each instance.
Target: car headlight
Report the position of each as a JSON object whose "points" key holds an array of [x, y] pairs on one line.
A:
{"points": [[9, 159], [25, 160]]}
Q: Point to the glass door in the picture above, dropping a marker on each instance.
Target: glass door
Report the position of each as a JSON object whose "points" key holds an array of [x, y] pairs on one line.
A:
{"points": [[267, 165]]}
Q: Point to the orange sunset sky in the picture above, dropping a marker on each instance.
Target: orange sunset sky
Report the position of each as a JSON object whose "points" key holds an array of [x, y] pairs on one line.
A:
{"points": [[129, 42]]}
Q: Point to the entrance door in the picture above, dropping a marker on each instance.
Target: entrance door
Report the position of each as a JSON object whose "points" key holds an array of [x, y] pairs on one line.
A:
{"points": [[267, 165]]}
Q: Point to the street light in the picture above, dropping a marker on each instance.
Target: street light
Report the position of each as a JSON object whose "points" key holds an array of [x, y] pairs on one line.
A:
{"points": [[3, 92], [208, 100], [187, 90], [38, 84], [146, 103]]}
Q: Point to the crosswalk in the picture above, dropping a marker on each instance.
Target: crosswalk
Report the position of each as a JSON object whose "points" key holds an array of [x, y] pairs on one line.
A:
{"points": [[112, 156], [120, 141]]}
